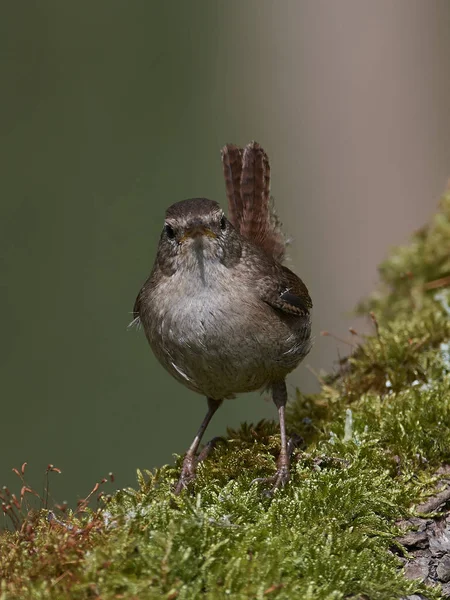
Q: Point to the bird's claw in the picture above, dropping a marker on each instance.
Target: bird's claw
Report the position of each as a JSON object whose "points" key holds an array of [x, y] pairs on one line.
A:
{"points": [[278, 480], [188, 471], [187, 475], [209, 447]]}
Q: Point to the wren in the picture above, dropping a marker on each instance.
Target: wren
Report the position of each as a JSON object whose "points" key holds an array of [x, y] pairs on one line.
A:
{"points": [[220, 311]]}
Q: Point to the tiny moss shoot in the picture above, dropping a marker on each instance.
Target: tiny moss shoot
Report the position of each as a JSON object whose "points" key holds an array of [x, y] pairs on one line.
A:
{"points": [[374, 438]]}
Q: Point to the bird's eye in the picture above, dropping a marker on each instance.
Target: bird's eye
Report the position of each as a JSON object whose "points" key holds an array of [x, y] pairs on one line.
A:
{"points": [[223, 223], [169, 231]]}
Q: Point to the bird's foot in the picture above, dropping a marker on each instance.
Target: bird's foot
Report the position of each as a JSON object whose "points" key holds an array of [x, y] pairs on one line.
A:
{"points": [[282, 475], [278, 480], [187, 474], [188, 471], [209, 447]]}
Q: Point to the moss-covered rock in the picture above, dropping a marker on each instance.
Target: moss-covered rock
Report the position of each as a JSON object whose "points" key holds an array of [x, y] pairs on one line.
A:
{"points": [[374, 438]]}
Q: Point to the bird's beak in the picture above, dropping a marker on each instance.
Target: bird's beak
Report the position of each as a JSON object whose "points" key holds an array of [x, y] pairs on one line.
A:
{"points": [[196, 232]]}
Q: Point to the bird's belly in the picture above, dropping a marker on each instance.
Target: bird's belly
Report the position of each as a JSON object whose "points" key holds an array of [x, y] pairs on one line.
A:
{"points": [[220, 346]]}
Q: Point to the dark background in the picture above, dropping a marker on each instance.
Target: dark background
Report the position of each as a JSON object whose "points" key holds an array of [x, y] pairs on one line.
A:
{"points": [[111, 111]]}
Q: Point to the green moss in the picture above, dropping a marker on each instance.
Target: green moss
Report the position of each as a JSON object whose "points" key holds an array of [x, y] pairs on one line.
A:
{"points": [[373, 438], [408, 274]]}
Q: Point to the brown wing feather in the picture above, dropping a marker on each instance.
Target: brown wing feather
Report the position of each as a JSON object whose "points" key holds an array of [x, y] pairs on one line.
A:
{"points": [[285, 291]]}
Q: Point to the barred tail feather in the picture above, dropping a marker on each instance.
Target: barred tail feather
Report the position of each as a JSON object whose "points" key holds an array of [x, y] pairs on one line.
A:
{"points": [[232, 169], [251, 211]]}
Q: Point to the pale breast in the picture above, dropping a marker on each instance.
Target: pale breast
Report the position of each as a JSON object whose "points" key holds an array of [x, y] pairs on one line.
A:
{"points": [[218, 338]]}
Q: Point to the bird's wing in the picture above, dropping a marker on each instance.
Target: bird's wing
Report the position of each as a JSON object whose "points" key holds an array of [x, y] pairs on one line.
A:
{"points": [[283, 290]]}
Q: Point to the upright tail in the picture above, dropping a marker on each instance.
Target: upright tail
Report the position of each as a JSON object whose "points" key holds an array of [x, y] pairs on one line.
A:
{"points": [[250, 210]]}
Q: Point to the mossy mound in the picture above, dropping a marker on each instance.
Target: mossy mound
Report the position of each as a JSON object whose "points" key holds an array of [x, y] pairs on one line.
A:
{"points": [[374, 438]]}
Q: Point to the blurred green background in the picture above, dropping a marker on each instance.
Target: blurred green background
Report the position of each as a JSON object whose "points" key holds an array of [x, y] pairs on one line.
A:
{"points": [[111, 111]]}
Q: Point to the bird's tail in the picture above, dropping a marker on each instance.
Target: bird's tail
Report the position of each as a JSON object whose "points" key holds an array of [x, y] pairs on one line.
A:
{"points": [[250, 209]]}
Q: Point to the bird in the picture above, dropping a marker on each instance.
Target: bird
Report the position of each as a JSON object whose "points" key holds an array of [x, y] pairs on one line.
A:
{"points": [[220, 311]]}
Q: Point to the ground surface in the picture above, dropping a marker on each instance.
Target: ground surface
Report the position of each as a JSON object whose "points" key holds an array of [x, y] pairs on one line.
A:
{"points": [[427, 539]]}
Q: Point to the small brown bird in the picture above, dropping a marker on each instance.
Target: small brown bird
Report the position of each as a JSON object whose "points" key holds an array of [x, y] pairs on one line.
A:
{"points": [[220, 311]]}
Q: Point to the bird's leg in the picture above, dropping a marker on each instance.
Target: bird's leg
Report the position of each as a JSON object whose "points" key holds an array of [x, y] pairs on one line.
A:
{"points": [[281, 477], [189, 462], [280, 398]]}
